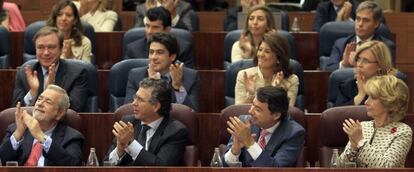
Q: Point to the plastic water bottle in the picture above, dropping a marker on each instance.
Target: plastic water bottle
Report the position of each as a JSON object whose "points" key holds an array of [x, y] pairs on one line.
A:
{"points": [[295, 25], [216, 160], [92, 159], [334, 159]]}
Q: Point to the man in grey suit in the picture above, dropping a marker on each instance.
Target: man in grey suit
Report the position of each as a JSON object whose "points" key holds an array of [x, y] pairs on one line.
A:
{"points": [[279, 138], [163, 50], [41, 139], [150, 137], [50, 69]]}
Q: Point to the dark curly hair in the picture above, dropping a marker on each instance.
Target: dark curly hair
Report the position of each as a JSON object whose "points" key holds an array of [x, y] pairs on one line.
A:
{"points": [[160, 93]]}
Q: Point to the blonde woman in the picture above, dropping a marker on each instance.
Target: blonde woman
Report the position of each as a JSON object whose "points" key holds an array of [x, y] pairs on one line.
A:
{"points": [[383, 142], [95, 13], [259, 21]]}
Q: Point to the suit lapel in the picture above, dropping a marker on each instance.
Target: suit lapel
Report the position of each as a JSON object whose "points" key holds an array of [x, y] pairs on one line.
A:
{"points": [[278, 135], [157, 137], [60, 74]]}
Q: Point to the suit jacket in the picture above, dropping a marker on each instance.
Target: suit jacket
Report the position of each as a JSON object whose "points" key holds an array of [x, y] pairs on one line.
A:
{"points": [[139, 49], [230, 22], [190, 83], [326, 13], [339, 48], [283, 148], [183, 10], [65, 150], [166, 148], [69, 76]]}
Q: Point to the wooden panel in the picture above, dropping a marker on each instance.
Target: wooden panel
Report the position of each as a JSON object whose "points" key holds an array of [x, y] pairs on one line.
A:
{"points": [[307, 45], [16, 48], [211, 21], [316, 90], [108, 49], [305, 20], [103, 78], [211, 90], [7, 77], [209, 50], [209, 135]]}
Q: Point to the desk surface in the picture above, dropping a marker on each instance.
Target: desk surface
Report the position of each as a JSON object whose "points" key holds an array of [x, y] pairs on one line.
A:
{"points": [[185, 169]]}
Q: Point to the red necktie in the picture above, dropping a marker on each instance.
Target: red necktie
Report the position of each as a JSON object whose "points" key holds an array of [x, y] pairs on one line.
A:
{"points": [[34, 154], [262, 140]]}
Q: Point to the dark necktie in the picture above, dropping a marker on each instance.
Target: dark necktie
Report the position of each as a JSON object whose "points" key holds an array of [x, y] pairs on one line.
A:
{"points": [[142, 137], [165, 78]]}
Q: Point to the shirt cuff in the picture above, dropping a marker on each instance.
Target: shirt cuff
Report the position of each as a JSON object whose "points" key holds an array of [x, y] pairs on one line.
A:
{"points": [[15, 144], [46, 145], [230, 157], [255, 150], [175, 20], [28, 99], [180, 95], [134, 149]]}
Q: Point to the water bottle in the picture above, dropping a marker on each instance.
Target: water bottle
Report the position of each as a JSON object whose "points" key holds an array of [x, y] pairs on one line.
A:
{"points": [[334, 159], [295, 25], [216, 160], [92, 159]]}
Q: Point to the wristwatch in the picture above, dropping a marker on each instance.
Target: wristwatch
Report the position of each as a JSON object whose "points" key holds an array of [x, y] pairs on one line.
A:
{"points": [[360, 144], [181, 89]]}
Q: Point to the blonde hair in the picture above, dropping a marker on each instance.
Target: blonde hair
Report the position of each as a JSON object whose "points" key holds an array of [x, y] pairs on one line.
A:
{"points": [[393, 94], [382, 53]]}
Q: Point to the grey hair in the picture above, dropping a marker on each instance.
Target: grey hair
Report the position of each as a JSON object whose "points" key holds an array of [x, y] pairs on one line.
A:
{"points": [[64, 102]]}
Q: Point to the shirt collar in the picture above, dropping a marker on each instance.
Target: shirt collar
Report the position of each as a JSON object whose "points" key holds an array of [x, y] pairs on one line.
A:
{"points": [[154, 124], [44, 70], [273, 128], [358, 39]]}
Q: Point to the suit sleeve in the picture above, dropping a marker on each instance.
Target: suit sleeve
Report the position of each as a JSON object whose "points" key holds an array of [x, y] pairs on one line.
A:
{"points": [[287, 154], [79, 92], [19, 89], [66, 153], [131, 87], [184, 10], [6, 150], [336, 54], [170, 153], [139, 15], [191, 99], [319, 20]]}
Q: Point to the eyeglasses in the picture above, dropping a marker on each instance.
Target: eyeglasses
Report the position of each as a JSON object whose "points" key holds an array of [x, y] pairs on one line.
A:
{"points": [[364, 61]]}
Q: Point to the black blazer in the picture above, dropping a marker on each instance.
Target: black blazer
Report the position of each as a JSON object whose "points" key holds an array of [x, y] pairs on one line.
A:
{"points": [[66, 148], [166, 148], [326, 13], [139, 49], [69, 76], [190, 83]]}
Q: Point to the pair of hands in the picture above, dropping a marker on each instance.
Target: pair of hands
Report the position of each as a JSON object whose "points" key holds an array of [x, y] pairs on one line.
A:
{"points": [[176, 72], [246, 44], [33, 80], [344, 14], [354, 131], [246, 4], [23, 121], [67, 49], [250, 84], [124, 133], [242, 136], [170, 5], [348, 57]]}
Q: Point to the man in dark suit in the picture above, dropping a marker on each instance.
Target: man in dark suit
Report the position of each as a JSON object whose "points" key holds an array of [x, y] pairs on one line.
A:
{"points": [[157, 20], [368, 19], [333, 10], [41, 140], [163, 50], [150, 137], [50, 69], [280, 139]]}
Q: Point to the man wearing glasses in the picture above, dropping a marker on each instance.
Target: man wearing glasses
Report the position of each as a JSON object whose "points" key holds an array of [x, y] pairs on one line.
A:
{"points": [[50, 69], [149, 137], [367, 20]]}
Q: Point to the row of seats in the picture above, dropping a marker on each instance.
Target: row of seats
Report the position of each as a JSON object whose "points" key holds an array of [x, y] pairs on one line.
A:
{"points": [[328, 139]]}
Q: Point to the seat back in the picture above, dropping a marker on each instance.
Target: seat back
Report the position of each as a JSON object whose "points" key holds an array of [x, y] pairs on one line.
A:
{"points": [[234, 68], [118, 79], [331, 135], [185, 115], [195, 21], [7, 117], [139, 32], [335, 79], [233, 36], [29, 49], [92, 101], [237, 110], [4, 48]]}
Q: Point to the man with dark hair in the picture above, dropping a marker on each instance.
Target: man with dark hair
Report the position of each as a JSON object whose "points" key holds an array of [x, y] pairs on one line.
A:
{"points": [[149, 137], [179, 13], [157, 20], [368, 19], [41, 139], [163, 50], [50, 69], [280, 140]]}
